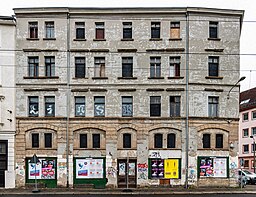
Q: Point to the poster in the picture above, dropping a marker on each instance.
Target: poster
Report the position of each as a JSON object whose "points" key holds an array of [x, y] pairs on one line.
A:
{"points": [[89, 168], [34, 170], [157, 168], [171, 168], [220, 167], [44, 169], [131, 169], [206, 167], [121, 169]]}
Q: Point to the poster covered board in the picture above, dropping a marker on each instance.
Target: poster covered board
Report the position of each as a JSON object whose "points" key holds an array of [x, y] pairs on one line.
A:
{"points": [[171, 168], [213, 167], [44, 169], [89, 168]]}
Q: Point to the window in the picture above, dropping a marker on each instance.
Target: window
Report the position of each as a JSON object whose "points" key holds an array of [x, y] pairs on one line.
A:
{"points": [[83, 140], [99, 69], [49, 66], [171, 140], [127, 67], [155, 106], [49, 30], [253, 131], [33, 64], [246, 148], [49, 106], [206, 141], [246, 163], [33, 106], [213, 103], [252, 148], [127, 107], [158, 140], [174, 66], [245, 116], [80, 30], [213, 63], [99, 106], [79, 67], [213, 29], [174, 106], [48, 140], [96, 140], [245, 132], [35, 140], [254, 115], [155, 29], [127, 30], [33, 29], [79, 106], [127, 140], [155, 67], [219, 141], [100, 31], [175, 30]]}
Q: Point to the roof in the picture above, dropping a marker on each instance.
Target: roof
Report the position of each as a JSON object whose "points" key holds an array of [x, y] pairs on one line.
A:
{"points": [[248, 99]]}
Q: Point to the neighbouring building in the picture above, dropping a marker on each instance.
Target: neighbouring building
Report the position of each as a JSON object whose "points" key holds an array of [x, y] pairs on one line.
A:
{"points": [[7, 101], [247, 128], [127, 97]]}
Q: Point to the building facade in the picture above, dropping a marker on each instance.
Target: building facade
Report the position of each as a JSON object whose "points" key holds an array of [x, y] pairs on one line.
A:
{"points": [[247, 128], [7, 101], [127, 97]]}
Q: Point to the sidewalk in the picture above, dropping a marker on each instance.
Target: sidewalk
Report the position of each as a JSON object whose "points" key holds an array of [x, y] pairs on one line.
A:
{"points": [[249, 189]]}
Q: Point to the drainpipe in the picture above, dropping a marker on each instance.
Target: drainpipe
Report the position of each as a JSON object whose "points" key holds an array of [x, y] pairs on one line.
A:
{"points": [[68, 96], [187, 98]]}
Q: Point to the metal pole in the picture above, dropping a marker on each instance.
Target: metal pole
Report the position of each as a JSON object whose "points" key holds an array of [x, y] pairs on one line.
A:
{"points": [[187, 98], [35, 180]]}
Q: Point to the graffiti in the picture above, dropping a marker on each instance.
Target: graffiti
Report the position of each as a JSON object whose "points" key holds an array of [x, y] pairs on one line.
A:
{"points": [[192, 175], [233, 170], [155, 155], [142, 171], [20, 169], [111, 171], [62, 167]]}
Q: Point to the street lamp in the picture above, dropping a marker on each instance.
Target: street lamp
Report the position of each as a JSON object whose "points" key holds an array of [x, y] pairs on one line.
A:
{"points": [[241, 79], [253, 152]]}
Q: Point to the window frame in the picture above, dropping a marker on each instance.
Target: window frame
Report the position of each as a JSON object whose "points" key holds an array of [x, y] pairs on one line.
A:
{"points": [[83, 140], [99, 67], [213, 29], [175, 30], [127, 105], [213, 66], [33, 29], [158, 140], [206, 140], [35, 142], [245, 145], [99, 31], [127, 140], [127, 30], [99, 101], [155, 104], [246, 129], [127, 67], [219, 140], [244, 115], [34, 103], [80, 106], [80, 30], [49, 66], [155, 30], [174, 66], [96, 142], [80, 67], [175, 106], [33, 66], [171, 143], [48, 101], [48, 140], [49, 30], [155, 67], [213, 106]]}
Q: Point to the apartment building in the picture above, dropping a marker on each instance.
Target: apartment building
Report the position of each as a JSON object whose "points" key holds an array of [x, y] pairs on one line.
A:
{"points": [[7, 101], [247, 129], [127, 97]]}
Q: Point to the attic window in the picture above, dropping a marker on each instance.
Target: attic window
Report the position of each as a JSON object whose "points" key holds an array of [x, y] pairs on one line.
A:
{"points": [[244, 101]]}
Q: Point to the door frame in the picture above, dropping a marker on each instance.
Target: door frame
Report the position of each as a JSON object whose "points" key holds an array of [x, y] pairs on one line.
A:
{"points": [[5, 158], [122, 179]]}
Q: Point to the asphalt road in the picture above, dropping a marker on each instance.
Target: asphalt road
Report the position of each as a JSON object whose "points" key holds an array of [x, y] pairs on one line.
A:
{"points": [[128, 195]]}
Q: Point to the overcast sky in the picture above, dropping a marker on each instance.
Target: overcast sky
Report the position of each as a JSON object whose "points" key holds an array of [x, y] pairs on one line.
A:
{"points": [[248, 36]]}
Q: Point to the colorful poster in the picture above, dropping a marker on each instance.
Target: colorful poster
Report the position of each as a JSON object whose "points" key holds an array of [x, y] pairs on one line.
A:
{"points": [[220, 167], [131, 169], [171, 168], [89, 168], [121, 169], [48, 169], [157, 168], [206, 167], [34, 170]]}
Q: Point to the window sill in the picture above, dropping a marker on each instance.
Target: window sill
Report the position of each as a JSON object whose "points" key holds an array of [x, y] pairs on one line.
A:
{"points": [[41, 77], [79, 39], [49, 38], [175, 39], [100, 78], [155, 77], [33, 39], [177, 77], [127, 39], [155, 39], [213, 77], [99, 39], [215, 39], [128, 78]]}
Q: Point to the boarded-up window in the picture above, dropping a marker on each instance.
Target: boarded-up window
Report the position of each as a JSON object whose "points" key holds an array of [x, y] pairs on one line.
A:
{"points": [[100, 31], [175, 30]]}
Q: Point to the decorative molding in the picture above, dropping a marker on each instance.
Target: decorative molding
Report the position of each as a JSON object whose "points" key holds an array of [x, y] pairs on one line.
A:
{"points": [[154, 89], [79, 90], [79, 50], [214, 50], [127, 90], [98, 90], [174, 89], [127, 50], [40, 89], [213, 90]]}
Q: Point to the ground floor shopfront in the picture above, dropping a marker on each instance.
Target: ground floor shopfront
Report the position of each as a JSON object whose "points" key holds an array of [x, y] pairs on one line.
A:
{"points": [[111, 164]]}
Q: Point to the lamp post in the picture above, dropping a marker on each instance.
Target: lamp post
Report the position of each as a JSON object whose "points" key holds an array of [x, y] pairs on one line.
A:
{"points": [[241, 79], [253, 152]]}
